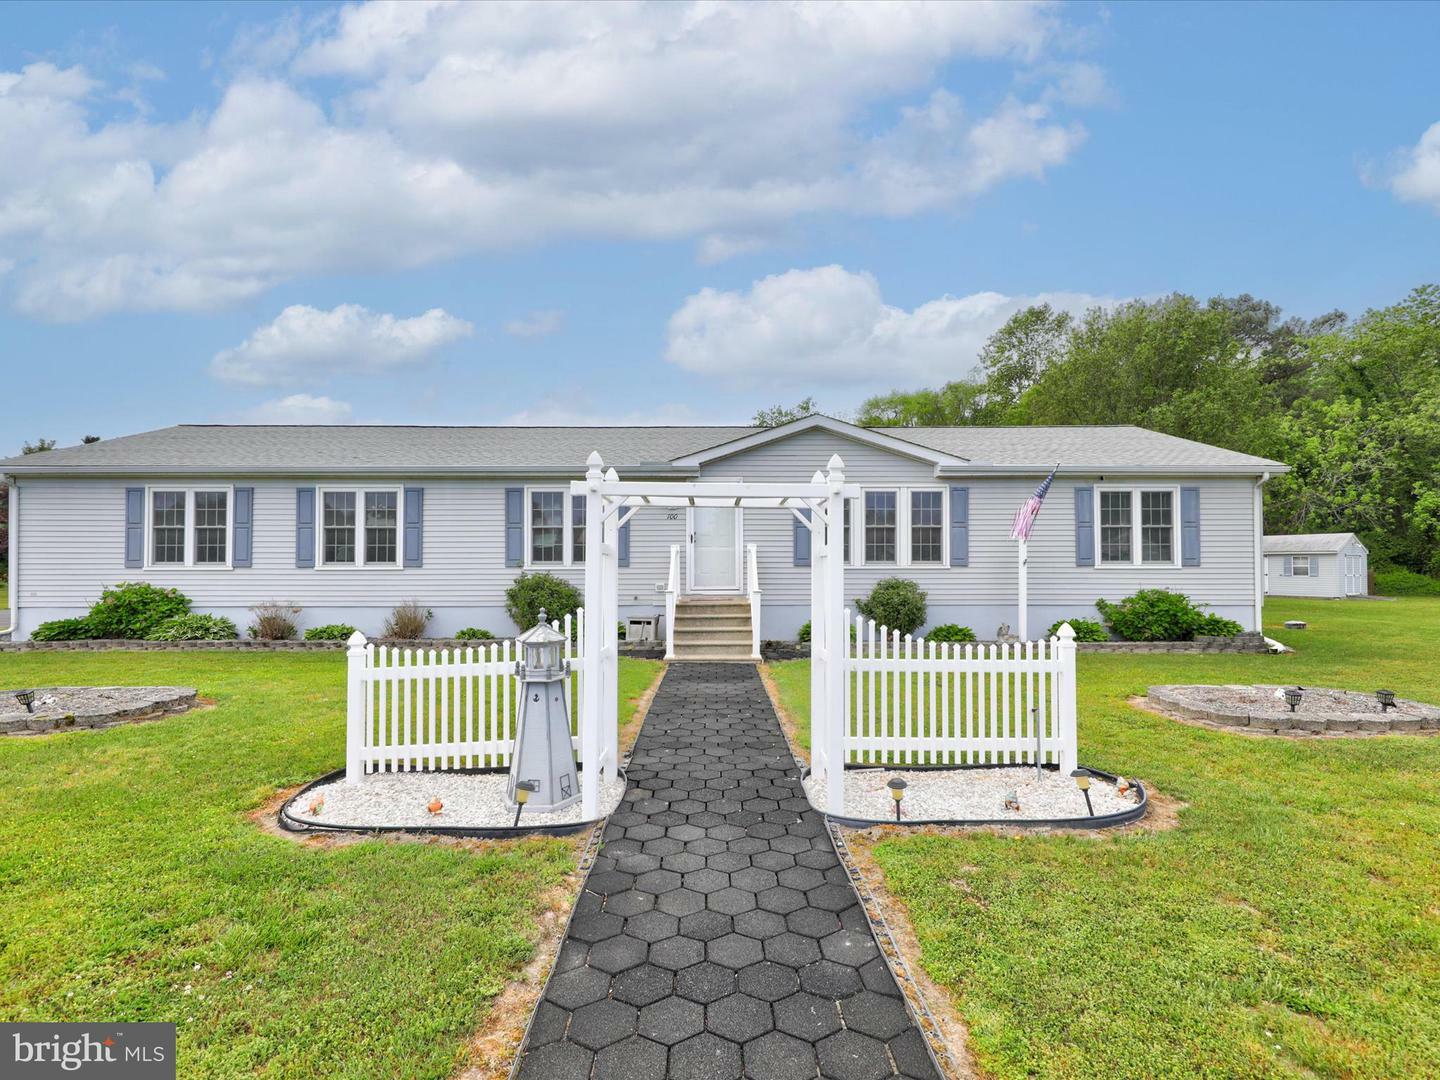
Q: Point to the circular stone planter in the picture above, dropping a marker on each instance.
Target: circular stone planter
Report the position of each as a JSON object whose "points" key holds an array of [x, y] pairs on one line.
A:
{"points": [[1322, 711], [936, 795], [396, 802], [65, 708]]}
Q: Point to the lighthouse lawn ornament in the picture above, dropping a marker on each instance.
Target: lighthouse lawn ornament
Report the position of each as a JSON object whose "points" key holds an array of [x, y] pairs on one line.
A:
{"points": [[544, 755]]}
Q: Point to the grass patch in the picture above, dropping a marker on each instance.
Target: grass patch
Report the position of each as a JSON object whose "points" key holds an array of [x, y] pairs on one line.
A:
{"points": [[1289, 927], [135, 888]]}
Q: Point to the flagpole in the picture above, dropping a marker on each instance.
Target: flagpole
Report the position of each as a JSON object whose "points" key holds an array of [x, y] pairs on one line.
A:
{"points": [[1024, 627]]}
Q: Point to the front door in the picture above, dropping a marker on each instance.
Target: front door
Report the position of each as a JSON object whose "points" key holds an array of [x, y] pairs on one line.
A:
{"points": [[714, 561]]}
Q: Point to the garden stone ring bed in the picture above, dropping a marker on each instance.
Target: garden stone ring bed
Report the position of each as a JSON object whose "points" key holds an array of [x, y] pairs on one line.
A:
{"points": [[1265, 710], [63, 708], [984, 795]]}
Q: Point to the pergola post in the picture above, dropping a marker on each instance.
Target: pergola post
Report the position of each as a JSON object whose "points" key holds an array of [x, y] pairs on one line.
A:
{"points": [[610, 636], [594, 680], [819, 626], [836, 635]]}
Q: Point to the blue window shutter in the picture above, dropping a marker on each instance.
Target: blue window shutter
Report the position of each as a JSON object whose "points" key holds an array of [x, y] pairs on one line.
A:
{"points": [[244, 539], [959, 526], [305, 527], [134, 527], [1189, 526], [414, 526], [1288, 568], [514, 526], [624, 543], [801, 542], [1085, 526]]}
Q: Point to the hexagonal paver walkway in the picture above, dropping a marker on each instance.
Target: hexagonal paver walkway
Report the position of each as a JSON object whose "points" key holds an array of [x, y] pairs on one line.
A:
{"points": [[718, 935]]}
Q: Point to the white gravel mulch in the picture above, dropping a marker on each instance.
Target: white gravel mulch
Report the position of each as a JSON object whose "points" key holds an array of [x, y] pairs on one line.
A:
{"points": [[471, 800], [970, 794]]}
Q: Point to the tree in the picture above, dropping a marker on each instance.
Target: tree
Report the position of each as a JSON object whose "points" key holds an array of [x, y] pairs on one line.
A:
{"points": [[954, 403], [784, 414], [39, 446], [1019, 353], [88, 439]]}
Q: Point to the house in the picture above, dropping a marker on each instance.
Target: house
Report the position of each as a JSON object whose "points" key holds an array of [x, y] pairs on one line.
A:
{"points": [[346, 522], [1316, 564]]}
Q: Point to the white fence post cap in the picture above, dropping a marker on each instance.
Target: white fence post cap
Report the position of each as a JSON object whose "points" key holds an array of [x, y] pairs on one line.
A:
{"points": [[1066, 632], [356, 640]]}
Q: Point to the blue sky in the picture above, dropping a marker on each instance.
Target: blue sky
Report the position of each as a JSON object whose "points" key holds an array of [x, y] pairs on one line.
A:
{"points": [[434, 214]]}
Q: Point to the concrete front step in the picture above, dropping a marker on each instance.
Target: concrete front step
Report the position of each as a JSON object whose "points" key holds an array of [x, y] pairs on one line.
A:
{"points": [[692, 632], [728, 652]]}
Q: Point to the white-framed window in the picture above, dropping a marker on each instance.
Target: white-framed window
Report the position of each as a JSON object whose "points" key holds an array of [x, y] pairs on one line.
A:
{"points": [[554, 527], [359, 527], [1302, 566], [1137, 526], [898, 526], [188, 527]]}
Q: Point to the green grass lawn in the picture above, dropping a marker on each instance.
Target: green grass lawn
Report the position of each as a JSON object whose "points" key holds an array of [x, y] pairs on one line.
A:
{"points": [[136, 888], [1290, 926]]}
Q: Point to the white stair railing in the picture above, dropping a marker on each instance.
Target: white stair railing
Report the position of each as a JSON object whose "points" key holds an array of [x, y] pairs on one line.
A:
{"points": [[752, 586], [672, 594]]}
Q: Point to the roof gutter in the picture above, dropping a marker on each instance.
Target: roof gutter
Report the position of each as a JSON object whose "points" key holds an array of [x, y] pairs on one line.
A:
{"points": [[1265, 469], [12, 569], [573, 472]]}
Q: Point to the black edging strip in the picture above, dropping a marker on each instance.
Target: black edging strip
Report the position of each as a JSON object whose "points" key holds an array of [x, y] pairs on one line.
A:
{"points": [[291, 822], [1101, 821]]}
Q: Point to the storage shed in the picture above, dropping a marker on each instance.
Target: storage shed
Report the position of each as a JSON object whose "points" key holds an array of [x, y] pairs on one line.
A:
{"points": [[1316, 564]]}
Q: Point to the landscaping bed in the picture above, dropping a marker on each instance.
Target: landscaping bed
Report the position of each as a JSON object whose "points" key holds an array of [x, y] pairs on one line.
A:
{"points": [[59, 708], [471, 802], [981, 795], [1321, 711]]}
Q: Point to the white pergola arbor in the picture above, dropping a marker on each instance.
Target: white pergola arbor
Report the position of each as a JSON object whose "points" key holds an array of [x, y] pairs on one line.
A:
{"points": [[609, 503]]}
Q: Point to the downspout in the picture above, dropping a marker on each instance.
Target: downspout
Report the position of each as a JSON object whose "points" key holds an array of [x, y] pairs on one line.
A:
{"points": [[12, 569], [1260, 550]]}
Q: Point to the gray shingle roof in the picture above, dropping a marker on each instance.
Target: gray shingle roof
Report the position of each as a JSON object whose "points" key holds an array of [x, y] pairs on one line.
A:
{"points": [[259, 449], [1308, 543]]}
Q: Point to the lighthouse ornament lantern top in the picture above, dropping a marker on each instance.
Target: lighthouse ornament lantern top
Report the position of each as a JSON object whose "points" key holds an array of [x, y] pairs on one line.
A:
{"points": [[544, 754]]}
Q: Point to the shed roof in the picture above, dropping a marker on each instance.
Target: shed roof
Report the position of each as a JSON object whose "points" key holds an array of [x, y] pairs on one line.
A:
{"points": [[1310, 543]]}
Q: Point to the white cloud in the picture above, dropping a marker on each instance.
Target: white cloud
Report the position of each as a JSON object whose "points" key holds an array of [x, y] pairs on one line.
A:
{"points": [[298, 409], [465, 128], [304, 343], [828, 324], [536, 325], [1416, 177]]}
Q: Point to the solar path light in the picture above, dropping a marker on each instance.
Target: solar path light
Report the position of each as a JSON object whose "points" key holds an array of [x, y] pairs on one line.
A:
{"points": [[1386, 699], [1082, 781], [897, 787], [26, 698], [1293, 696]]}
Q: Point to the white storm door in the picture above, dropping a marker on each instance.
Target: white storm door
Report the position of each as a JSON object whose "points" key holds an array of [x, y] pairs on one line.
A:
{"points": [[714, 561]]}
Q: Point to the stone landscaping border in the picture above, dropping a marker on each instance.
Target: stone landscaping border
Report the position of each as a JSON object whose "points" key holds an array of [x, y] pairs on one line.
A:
{"points": [[1099, 821], [1249, 641], [1416, 717], [641, 650], [92, 707]]}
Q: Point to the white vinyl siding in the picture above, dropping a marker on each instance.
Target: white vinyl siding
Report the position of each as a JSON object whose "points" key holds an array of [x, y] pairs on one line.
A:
{"points": [[187, 527]]}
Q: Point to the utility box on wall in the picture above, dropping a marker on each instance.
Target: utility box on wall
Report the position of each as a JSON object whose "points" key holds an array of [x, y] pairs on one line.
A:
{"points": [[644, 628]]}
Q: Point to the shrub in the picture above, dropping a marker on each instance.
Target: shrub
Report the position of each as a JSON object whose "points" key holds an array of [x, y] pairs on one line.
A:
{"points": [[895, 603], [408, 621], [64, 630], [950, 632], [803, 634], [131, 609], [1398, 581], [620, 630], [194, 627], [531, 592], [1085, 629], [1154, 615], [1213, 625], [273, 622], [474, 633], [335, 631]]}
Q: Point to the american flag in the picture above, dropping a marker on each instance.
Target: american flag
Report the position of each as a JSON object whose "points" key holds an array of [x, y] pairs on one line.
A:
{"points": [[1030, 509]]}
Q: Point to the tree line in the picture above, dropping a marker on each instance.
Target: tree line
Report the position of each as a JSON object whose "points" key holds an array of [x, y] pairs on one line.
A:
{"points": [[1352, 405]]}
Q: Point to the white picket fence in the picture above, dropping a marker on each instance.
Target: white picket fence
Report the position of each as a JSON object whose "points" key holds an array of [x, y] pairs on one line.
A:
{"points": [[428, 709], [909, 701]]}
